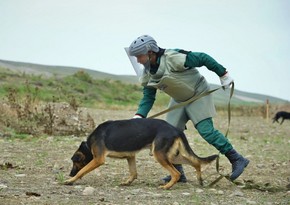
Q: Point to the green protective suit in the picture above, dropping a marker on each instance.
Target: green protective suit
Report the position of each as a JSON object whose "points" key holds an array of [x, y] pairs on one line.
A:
{"points": [[177, 75]]}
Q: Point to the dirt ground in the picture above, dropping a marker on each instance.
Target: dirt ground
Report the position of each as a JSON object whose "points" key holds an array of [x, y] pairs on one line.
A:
{"points": [[32, 169]]}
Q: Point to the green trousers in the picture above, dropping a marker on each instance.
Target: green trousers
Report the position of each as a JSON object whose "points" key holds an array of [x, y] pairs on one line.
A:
{"points": [[206, 129]]}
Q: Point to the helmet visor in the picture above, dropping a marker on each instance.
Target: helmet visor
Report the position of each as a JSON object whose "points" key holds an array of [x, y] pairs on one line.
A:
{"points": [[138, 67]]}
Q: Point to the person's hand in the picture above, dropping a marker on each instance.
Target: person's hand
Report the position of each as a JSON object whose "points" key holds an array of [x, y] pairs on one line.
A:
{"points": [[137, 116], [226, 80]]}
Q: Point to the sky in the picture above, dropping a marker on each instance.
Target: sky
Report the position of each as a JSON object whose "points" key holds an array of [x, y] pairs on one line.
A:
{"points": [[251, 38]]}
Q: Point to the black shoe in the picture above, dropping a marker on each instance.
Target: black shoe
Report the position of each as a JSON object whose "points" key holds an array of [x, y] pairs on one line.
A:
{"points": [[182, 178], [239, 163]]}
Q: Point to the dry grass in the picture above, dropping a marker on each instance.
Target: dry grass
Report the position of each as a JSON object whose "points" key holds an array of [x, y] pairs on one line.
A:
{"points": [[40, 163]]}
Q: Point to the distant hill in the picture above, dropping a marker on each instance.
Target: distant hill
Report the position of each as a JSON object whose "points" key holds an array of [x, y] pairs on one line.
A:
{"points": [[220, 97], [61, 71]]}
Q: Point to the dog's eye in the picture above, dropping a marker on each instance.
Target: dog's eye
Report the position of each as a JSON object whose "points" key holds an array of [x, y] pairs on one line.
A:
{"points": [[76, 158]]}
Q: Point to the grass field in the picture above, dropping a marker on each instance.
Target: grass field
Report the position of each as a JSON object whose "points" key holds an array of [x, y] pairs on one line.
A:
{"points": [[33, 168]]}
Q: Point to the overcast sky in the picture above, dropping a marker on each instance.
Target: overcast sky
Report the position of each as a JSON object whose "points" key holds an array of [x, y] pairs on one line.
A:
{"points": [[251, 38]]}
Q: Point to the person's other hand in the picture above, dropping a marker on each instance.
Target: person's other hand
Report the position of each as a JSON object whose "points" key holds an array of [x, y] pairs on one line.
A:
{"points": [[226, 80], [137, 116]]}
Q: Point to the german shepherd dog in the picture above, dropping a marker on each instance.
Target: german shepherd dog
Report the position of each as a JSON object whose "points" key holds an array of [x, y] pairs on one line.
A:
{"points": [[124, 138], [282, 114]]}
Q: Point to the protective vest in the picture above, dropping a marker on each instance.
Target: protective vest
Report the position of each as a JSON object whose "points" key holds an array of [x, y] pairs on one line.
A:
{"points": [[173, 78], [181, 83]]}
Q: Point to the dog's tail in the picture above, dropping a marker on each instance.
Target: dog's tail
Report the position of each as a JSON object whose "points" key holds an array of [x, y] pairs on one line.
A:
{"points": [[206, 161], [187, 149], [209, 159]]}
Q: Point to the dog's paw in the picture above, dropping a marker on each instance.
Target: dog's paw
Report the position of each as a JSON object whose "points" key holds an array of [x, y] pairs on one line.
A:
{"points": [[165, 187], [126, 183], [129, 181], [68, 182]]}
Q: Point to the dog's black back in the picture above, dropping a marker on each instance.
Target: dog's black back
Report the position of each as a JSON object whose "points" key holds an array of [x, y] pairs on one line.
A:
{"points": [[116, 137]]}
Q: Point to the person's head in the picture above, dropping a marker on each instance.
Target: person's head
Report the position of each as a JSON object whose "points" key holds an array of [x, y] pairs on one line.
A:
{"points": [[142, 48]]}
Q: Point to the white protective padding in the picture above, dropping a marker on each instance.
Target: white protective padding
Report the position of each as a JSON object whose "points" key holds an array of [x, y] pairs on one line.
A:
{"points": [[138, 67]]}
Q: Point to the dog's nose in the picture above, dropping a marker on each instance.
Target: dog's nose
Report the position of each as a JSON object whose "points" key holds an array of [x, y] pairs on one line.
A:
{"points": [[73, 173]]}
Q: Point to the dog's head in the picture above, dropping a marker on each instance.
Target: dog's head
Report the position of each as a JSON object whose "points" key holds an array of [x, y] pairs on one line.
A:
{"points": [[80, 158]]}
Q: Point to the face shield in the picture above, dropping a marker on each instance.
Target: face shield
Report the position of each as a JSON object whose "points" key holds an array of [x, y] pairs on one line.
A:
{"points": [[138, 68]]}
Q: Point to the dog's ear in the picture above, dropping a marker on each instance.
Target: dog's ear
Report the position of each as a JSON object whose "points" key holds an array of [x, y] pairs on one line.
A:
{"points": [[83, 145], [78, 155], [84, 148]]}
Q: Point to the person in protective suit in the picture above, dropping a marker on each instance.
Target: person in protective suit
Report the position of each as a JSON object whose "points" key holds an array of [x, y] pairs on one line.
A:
{"points": [[174, 71]]}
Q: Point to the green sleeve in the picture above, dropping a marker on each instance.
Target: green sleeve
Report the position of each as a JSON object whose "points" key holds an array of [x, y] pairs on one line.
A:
{"points": [[147, 101], [196, 59]]}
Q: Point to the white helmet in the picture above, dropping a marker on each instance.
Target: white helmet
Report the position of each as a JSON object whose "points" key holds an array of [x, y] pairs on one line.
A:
{"points": [[142, 45]]}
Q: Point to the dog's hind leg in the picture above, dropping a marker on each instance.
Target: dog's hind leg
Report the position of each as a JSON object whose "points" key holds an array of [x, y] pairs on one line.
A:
{"points": [[198, 174], [194, 162], [132, 169], [282, 121], [187, 156], [174, 173], [93, 164]]}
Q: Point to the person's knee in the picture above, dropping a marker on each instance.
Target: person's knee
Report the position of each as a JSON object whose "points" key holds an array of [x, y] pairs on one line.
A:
{"points": [[213, 136], [205, 128]]}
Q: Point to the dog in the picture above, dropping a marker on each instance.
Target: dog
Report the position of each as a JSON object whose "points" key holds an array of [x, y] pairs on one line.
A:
{"points": [[282, 114], [125, 138]]}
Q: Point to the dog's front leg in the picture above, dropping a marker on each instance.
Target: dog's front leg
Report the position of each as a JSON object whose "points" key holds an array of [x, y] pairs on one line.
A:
{"points": [[86, 169], [132, 169]]}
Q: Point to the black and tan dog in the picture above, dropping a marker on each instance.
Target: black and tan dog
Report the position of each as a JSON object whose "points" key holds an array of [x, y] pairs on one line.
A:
{"points": [[124, 138], [282, 114]]}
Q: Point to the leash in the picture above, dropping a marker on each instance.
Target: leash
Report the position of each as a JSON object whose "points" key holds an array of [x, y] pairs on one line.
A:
{"points": [[194, 98], [227, 176], [181, 104]]}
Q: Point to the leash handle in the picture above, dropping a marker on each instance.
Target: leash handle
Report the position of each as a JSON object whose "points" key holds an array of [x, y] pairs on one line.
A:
{"points": [[229, 108]]}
